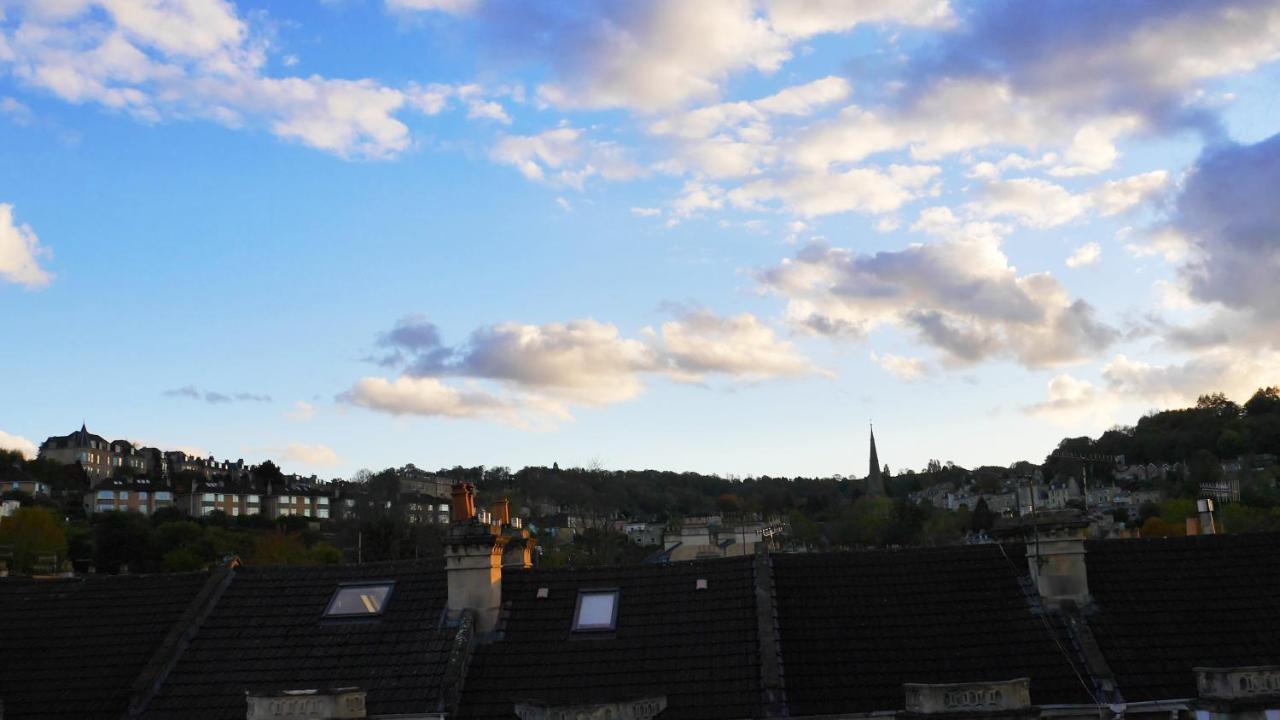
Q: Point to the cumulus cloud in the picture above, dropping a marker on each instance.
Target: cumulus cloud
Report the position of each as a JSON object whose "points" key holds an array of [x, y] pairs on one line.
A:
{"points": [[1229, 214], [214, 397], [741, 346], [1039, 203], [1237, 373], [1085, 255], [564, 156], [317, 455], [532, 374], [24, 446], [903, 368], [862, 189], [20, 252], [1065, 394], [182, 59], [960, 296], [407, 395]]}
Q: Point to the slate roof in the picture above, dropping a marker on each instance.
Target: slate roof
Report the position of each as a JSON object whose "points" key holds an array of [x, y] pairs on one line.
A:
{"points": [[267, 632], [72, 648], [855, 626], [1163, 606], [698, 648]]}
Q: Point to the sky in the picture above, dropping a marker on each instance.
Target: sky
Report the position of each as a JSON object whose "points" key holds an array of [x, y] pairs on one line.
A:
{"points": [[721, 236]]}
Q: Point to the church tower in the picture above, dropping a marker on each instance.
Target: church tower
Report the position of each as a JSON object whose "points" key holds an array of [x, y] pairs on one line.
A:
{"points": [[875, 478]]}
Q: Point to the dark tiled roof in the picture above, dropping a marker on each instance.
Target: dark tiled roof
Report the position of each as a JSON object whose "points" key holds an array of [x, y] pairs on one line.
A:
{"points": [[267, 632], [72, 648], [1166, 605], [855, 626], [698, 648]]}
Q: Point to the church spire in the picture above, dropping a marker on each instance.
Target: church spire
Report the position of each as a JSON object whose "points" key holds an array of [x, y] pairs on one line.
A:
{"points": [[875, 478]]}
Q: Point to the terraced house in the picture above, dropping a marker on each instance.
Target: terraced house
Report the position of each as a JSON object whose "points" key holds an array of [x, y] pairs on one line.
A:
{"points": [[1060, 627]]}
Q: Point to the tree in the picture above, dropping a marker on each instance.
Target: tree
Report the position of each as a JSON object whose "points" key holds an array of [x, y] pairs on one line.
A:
{"points": [[122, 539], [33, 532], [982, 519], [1266, 401]]}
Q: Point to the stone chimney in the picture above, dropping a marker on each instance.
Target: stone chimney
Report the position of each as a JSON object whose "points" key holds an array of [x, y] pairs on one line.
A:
{"points": [[1055, 554], [473, 555]]}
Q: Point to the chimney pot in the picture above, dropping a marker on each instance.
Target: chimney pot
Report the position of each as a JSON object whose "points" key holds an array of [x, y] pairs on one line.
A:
{"points": [[463, 507], [501, 512]]}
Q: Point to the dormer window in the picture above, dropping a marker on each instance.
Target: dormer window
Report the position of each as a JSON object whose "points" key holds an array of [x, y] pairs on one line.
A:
{"points": [[597, 610], [359, 600]]}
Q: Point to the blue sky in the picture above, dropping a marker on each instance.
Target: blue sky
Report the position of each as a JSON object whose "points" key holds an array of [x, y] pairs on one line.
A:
{"points": [[718, 236]]}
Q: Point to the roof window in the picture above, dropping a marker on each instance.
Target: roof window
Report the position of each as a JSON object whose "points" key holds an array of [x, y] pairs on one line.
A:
{"points": [[359, 600], [596, 610]]}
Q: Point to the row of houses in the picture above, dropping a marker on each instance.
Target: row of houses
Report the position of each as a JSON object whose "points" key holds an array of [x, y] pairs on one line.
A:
{"points": [[102, 458], [1060, 628]]}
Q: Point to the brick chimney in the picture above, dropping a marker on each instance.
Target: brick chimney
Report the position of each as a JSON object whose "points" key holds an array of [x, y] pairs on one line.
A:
{"points": [[1055, 554], [473, 563]]}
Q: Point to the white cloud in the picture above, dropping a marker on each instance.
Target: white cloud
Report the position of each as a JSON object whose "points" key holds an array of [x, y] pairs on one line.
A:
{"points": [[19, 443], [429, 397], [655, 56], [903, 368], [452, 7], [563, 156], [1066, 393], [740, 346], [959, 295], [1085, 255], [1235, 372], [303, 411], [1033, 202], [583, 361], [314, 455], [867, 190], [1116, 196], [1166, 242], [20, 252], [532, 374], [1042, 204], [646, 211], [812, 17]]}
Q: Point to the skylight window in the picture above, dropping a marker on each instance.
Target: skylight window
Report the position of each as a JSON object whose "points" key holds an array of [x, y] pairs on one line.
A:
{"points": [[596, 610], [365, 600]]}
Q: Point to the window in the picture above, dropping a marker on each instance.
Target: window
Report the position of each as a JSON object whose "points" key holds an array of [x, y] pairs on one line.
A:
{"points": [[142, 494], [596, 610], [102, 494], [207, 497], [323, 513], [164, 495], [363, 600], [124, 494], [253, 499], [322, 501]]}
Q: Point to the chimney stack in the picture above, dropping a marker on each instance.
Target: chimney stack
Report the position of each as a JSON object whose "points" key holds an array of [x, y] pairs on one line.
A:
{"points": [[1055, 554], [473, 563]]}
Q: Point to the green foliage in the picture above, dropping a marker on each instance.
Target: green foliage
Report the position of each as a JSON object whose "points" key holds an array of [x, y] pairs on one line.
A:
{"points": [[33, 532]]}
